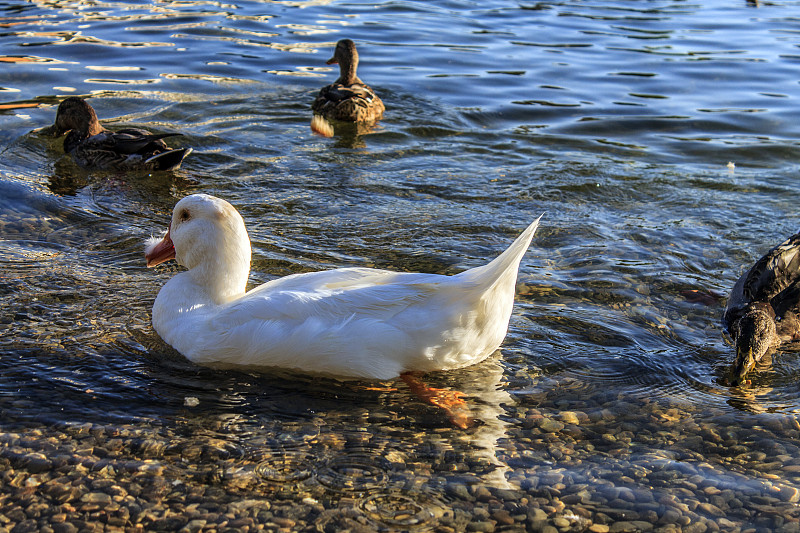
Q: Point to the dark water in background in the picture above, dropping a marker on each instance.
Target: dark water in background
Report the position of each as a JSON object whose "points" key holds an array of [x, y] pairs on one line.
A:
{"points": [[615, 119]]}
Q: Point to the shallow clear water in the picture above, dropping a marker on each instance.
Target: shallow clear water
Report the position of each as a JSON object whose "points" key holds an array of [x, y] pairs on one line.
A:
{"points": [[604, 407]]}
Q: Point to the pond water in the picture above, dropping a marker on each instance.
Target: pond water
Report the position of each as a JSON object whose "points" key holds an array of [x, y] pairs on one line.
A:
{"points": [[659, 138]]}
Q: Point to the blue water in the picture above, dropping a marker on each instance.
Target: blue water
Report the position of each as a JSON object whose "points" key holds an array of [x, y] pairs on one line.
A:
{"points": [[659, 139]]}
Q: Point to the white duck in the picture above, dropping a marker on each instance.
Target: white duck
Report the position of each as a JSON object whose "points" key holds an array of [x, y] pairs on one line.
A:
{"points": [[348, 322]]}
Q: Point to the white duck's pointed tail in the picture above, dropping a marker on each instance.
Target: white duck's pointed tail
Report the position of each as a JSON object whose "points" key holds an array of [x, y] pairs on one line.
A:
{"points": [[506, 263]]}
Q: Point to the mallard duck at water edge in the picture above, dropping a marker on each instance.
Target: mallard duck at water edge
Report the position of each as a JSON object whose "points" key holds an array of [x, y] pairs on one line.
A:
{"points": [[93, 147], [763, 309], [348, 99]]}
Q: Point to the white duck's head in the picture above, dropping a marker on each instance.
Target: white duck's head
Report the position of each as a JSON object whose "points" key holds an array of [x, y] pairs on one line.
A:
{"points": [[206, 235]]}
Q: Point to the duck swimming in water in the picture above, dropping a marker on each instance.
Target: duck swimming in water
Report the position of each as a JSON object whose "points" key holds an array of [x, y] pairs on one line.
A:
{"points": [[763, 309], [348, 99], [348, 322], [93, 147]]}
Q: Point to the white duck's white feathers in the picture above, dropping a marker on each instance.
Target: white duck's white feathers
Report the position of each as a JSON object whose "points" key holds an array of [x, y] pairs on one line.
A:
{"points": [[350, 322]]}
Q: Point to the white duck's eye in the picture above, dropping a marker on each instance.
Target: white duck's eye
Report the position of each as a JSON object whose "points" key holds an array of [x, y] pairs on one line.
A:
{"points": [[184, 215]]}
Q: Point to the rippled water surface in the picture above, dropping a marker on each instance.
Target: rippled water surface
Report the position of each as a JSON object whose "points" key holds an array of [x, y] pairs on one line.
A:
{"points": [[604, 410]]}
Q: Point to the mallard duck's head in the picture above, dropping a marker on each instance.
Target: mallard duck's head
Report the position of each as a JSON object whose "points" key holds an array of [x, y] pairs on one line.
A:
{"points": [[76, 114], [754, 334], [347, 58], [344, 54]]}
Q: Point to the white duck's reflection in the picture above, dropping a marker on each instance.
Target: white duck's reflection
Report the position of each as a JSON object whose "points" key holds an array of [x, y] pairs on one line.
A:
{"points": [[354, 452], [485, 401]]}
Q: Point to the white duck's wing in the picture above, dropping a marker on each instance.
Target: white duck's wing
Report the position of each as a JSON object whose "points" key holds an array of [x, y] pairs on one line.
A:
{"points": [[345, 291], [348, 322]]}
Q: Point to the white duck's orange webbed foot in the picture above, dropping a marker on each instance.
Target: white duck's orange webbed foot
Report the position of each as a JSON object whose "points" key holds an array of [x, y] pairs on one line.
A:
{"points": [[457, 410]]}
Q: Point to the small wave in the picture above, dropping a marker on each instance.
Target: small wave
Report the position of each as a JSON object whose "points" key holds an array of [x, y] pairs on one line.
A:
{"points": [[355, 471], [286, 466], [402, 511]]}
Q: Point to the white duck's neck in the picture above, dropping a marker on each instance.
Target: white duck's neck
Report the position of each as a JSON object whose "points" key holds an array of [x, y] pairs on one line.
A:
{"points": [[224, 278]]}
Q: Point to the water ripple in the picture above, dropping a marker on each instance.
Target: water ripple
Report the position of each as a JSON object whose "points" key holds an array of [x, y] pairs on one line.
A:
{"points": [[401, 511], [354, 471], [286, 466]]}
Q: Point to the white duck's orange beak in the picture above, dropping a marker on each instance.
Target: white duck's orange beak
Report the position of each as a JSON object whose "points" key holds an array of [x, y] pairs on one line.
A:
{"points": [[158, 252]]}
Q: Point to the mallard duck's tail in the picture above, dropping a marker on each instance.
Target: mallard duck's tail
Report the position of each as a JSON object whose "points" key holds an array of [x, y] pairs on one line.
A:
{"points": [[169, 160], [321, 126], [506, 263]]}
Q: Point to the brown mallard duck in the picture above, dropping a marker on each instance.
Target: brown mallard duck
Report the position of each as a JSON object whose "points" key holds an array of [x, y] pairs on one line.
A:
{"points": [[94, 147], [764, 306], [348, 99]]}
